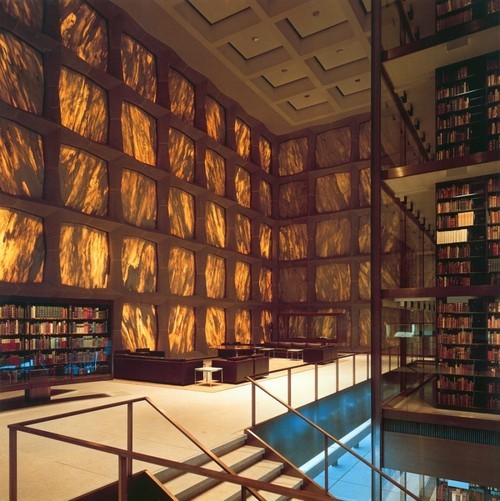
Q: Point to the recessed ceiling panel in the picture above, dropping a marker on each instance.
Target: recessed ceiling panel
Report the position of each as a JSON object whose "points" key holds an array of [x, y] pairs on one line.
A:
{"points": [[316, 16], [284, 74], [333, 58], [307, 100], [354, 85], [217, 10], [254, 42]]}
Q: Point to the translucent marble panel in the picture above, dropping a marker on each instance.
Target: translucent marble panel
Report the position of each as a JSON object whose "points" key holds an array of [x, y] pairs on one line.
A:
{"points": [[266, 201], [364, 188], [22, 247], [392, 228], [29, 12], [292, 157], [83, 256], [138, 265], [333, 282], [242, 135], [182, 96], [84, 181], [326, 326], [215, 276], [242, 233], [293, 285], [216, 120], [21, 161], [139, 68], [215, 326], [181, 329], [21, 75], [364, 280], [139, 134], [266, 285], [364, 234], [391, 271], [215, 225], [181, 271], [333, 147], [293, 199], [333, 237], [242, 326], [181, 213], [181, 155], [265, 154], [365, 130], [265, 241], [293, 242], [215, 171], [265, 327], [139, 326], [364, 327], [242, 280], [297, 326], [138, 199], [333, 192], [84, 32], [243, 187], [84, 106]]}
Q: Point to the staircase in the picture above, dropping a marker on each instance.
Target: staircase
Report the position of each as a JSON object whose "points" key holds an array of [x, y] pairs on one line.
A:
{"points": [[247, 460]]}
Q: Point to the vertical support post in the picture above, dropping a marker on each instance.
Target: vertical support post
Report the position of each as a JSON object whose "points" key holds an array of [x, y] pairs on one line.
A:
{"points": [[367, 366], [12, 464], [337, 374], [122, 479], [316, 382], [254, 420], [130, 435], [354, 369], [289, 371], [326, 464]]}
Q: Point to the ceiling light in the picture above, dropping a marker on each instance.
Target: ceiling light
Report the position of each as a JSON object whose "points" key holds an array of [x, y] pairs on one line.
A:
{"points": [[255, 39], [357, 80], [284, 70], [316, 13], [307, 96], [340, 51]]}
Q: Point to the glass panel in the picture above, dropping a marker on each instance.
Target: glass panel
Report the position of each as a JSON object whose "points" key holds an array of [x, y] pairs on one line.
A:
{"points": [[139, 326], [29, 12], [138, 199], [333, 147], [181, 213], [266, 285], [139, 134], [181, 330], [333, 237], [215, 171], [365, 130], [215, 225], [333, 192], [242, 133], [181, 155], [216, 120], [83, 256], [364, 188], [138, 265], [181, 97], [84, 181], [215, 326], [181, 271], [293, 199], [242, 233], [22, 247], [266, 201], [293, 285], [293, 242], [333, 282], [242, 326], [364, 327], [265, 327], [242, 277], [292, 156], [215, 277], [265, 241], [243, 187], [21, 161], [364, 234], [364, 280], [265, 153]]}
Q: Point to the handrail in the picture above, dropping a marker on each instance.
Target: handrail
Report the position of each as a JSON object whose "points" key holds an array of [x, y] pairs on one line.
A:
{"points": [[326, 435], [126, 456]]}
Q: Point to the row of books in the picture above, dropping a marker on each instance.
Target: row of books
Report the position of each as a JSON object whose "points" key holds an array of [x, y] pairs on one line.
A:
{"points": [[453, 152], [451, 5], [451, 237], [453, 136], [453, 267], [493, 201], [493, 79], [12, 327], [461, 383], [454, 90], [449, 322], [454, 251], [493, 233], [455, 353], [494, 217], [455, 400], [449, 281], [456, 205], [453, 307], [493, 355], [455, 104], [454, 121], [493, 96], [493, 112], [464, 337], [494, 265], [493, 128], [494, 337], [458, 220], [454, 20], [12, 311]]}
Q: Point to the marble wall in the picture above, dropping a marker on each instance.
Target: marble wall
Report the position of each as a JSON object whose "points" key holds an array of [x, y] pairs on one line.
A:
{"points": [[139, 326], [138, 194], [181, 155], [181, 270]]}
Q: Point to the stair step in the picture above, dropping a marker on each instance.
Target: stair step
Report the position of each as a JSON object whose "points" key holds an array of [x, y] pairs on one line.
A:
{"points": [[284, 481], [264, 470], [187, 485]]}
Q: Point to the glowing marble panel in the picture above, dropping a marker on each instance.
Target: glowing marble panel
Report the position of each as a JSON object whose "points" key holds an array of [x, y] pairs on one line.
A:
{"points": [[364, 327], [293, 285], [333, 282], [265, 241], [215, 171], [364, 188], [293, 199], [22, 247], [243, 187], [182, 95], [181, 330], [139, 326], [333, 192], [181, 155], [243, 137], [215, 277], [292, 157], [266, 201], [84, 181], [333, 147], [265, 326], [216, 120], [139, 134], [29, 12], [324, 326], [392, 228], [265, 153], [138, 265], [83, 256], [293, 242], [266, 285], [297, 327], [364, 234], [181, 213], [138, 199], [21, 75], [215, 225], [242, 326], [242, 276], [84, 107], [365, 130], [181, 271], [215, 326], [139, 68], [391, 271], [242, 233], [333, 237], [21, 160], [84, 32], [364, 280]]}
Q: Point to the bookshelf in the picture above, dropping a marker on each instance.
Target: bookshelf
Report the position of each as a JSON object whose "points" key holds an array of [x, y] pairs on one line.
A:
{"points": [[455, 491], [44, 344], [451, 13]]}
